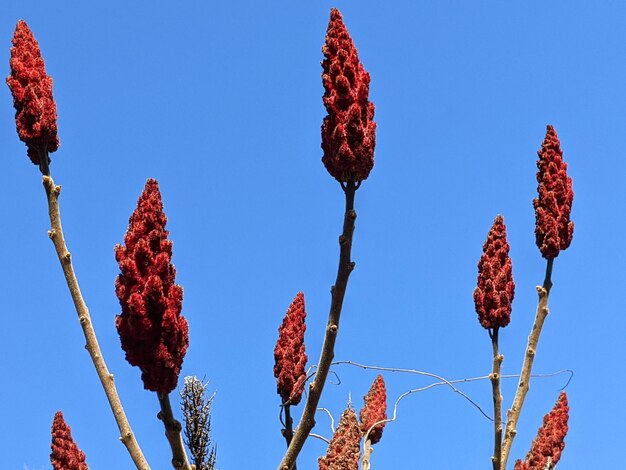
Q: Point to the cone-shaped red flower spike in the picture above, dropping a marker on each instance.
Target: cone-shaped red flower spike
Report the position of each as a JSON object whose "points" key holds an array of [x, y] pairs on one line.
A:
{"points": [[495, 291], [348, 132], [153, 332], [549, 443], [374, 410], [553, 228], [344, 450], [289, 354], [65, 453], [35, 109]]}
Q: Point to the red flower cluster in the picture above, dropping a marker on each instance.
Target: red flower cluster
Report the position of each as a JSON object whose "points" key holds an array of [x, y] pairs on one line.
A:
{"points": [[65, 453], [348, 131], [289, 354], [344, 450], [549, 441], [553, 229], [152, 331], [495, 291], [35, 109], [374, 410]]}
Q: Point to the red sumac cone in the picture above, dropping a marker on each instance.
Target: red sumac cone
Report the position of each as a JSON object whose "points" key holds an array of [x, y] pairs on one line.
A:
{"points": [[289, 354], [348, 131], [495, 289], [65, 453], [374, 410], [35, 109], [549, 443], [152, 330], [553, 227]]}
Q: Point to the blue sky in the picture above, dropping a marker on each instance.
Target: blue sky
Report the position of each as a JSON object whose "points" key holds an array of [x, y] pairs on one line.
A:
{"points": [[221, 102]]}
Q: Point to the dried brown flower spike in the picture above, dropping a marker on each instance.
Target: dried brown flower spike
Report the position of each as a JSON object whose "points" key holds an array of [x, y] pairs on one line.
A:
{"points": [[344, 450]]}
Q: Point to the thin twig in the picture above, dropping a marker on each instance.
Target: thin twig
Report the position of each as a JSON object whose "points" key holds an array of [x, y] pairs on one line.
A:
{"points": [[426, 374], [317, 436], [307, 422], [106, 378], [332, 420], [524, 382], [448, 383], [173, 430], [497, 401]]}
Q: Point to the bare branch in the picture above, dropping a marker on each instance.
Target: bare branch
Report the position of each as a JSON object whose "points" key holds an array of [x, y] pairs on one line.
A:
{"points": [[497, 401], [173, 433], [106, 378], [523, 386], [307, 422]]}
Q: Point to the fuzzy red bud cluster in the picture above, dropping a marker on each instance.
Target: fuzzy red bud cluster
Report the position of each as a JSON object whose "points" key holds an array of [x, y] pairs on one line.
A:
{"points": [[344, 450], [374, 410], [289, 354], [494, 293], [152, 330], [553, 228], [35, 109], [549, 443], [65, 453], [348, 131]]}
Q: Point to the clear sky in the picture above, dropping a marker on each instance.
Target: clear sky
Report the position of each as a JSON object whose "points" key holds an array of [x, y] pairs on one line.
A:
{"points": [[222, 103]]}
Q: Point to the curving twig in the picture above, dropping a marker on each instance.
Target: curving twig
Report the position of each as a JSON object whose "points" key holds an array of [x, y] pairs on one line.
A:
{"points": [[448, 383], [332, 420], [106, 378]]}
